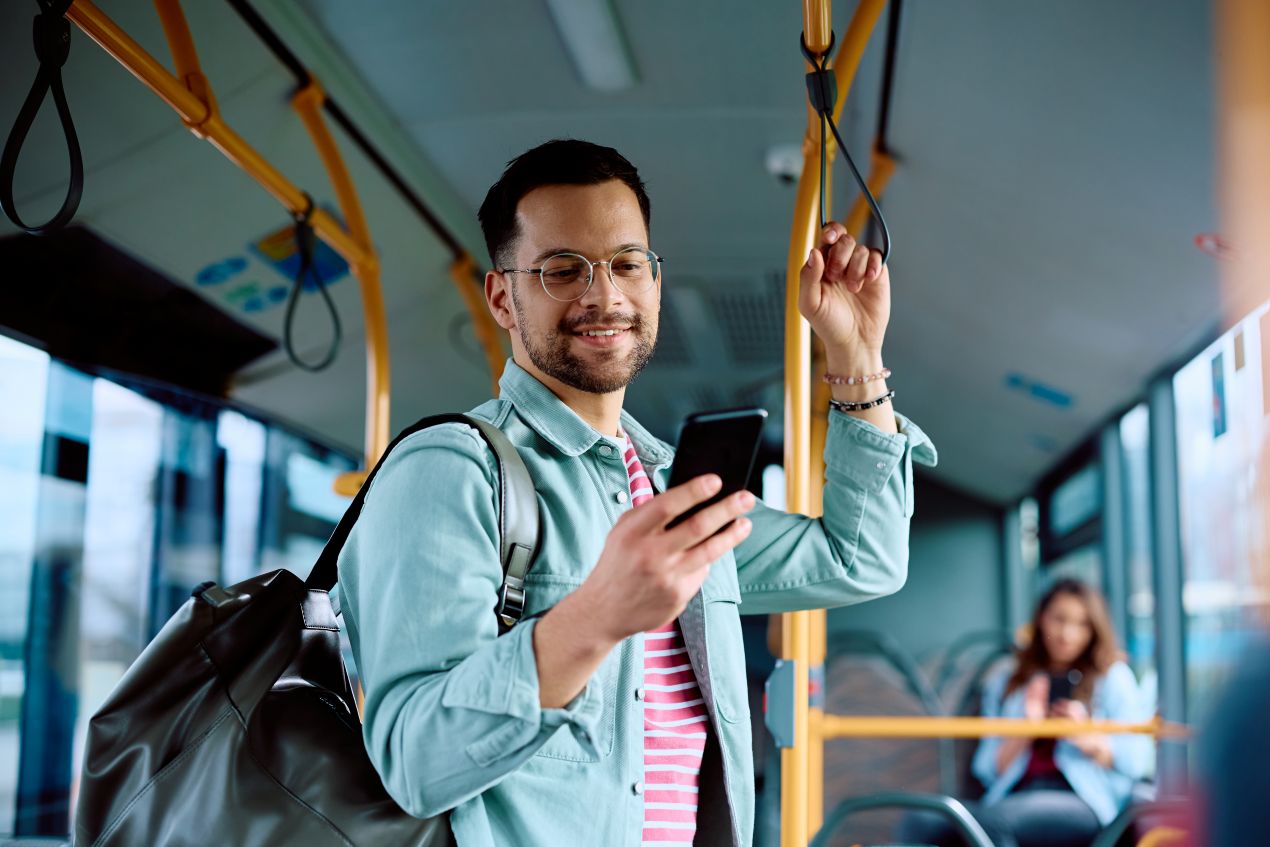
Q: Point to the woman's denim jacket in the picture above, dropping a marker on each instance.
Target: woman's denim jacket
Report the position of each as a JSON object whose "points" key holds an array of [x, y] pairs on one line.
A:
{"points": [[1105, 790]]}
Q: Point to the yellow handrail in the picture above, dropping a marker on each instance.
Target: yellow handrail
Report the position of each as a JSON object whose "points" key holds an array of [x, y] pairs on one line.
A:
{"points": [[195, 113], [1164, 835], [883, 166], [488, 333], [188, 93], [308, 103], [888, 726], [854, 42]]}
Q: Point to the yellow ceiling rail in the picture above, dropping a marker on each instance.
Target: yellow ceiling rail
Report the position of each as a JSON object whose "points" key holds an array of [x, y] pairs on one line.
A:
{"points": [[307, 103], [196, 113], [189, 94], [887, 726], [847, 60], [488, 333], [185, 58]]}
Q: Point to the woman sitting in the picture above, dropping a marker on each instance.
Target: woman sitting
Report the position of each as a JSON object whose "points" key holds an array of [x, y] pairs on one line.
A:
{"points": [[1056, 792]]}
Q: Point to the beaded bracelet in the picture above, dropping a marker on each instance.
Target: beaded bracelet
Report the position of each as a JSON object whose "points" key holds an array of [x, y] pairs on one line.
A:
{"points": [[885, 373], [843, 406]]}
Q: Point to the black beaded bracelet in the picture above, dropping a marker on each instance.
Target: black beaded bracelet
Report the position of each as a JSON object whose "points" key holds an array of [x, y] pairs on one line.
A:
{"points": [[860, 407]]}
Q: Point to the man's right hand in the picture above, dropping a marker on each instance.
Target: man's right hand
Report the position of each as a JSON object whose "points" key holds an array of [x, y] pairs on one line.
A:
{"points": [[647, 573], [645, 577]]}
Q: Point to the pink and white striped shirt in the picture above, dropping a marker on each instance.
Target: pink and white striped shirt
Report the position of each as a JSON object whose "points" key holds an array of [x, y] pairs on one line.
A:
{"points": [[675, 717]]}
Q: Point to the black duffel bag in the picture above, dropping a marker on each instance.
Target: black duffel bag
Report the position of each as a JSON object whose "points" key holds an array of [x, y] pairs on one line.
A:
{"points": [[237, 724]]}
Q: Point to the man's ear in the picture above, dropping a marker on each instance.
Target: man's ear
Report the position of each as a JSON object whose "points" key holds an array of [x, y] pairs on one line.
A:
{"points": [[498, 296]]}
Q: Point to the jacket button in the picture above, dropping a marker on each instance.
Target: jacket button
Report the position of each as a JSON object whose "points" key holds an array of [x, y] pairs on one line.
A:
{"points": [[637, 788], [620, 496], [639, 694], [606, 450]]}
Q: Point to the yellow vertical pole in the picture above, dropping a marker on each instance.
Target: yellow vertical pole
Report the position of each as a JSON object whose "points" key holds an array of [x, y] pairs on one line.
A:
{"points": [[795, 626], [817, 618], [803, 633], [488, 333], [1243, 30]]}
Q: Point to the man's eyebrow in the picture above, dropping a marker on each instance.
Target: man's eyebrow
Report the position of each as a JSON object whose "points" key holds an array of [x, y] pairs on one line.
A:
{"points": [[549, 252], [553, 251]]}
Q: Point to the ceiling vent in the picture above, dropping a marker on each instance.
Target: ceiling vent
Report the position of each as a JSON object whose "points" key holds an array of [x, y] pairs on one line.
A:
{"points": [[672, 346], [752, 323]]}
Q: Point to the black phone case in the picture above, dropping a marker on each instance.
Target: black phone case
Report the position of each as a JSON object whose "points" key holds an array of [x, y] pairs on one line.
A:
{"points": [[724, 442]]}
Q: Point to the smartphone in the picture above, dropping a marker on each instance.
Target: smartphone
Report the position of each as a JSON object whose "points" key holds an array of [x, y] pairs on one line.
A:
{"points": [[1062, 685], [723, 442]]}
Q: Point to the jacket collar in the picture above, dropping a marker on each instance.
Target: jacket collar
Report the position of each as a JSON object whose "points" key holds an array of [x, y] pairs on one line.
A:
{"points": [[561, 427]]}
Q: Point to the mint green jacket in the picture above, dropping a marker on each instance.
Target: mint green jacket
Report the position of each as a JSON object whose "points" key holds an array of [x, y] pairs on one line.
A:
{"points": [[452, 717]]}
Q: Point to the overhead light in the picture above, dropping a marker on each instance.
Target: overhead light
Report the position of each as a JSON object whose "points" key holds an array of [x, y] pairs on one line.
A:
{"points": [[593, 36]]}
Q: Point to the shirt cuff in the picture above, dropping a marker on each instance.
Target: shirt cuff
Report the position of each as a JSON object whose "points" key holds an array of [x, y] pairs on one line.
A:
{"points": [[868, 457]]}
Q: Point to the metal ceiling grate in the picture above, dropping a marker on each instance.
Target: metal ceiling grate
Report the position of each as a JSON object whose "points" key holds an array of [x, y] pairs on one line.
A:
{"points": [[753, 324], [707, 397], [672, 347]]}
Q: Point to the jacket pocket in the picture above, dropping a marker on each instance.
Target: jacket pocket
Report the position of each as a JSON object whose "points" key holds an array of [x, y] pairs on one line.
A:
{"points": [[722, 599]]}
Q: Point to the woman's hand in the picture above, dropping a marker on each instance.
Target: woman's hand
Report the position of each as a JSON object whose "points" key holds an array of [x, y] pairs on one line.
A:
{"points": [[1094, 745], [1035, 707], [1036, 698], [1071, 709]]}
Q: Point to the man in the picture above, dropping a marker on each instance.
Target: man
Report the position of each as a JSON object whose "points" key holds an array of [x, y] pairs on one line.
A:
{"points": [[616, 713]]}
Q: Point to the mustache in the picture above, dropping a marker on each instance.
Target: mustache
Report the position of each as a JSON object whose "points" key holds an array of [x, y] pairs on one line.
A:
{"points": [[631, 319]]}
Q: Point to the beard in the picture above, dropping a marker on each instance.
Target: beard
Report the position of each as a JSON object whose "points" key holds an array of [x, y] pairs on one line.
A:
{"points": [[553, 355]]}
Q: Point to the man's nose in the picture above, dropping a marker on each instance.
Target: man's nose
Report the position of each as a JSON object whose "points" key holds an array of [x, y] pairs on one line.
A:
{"points": [[603, 291]]}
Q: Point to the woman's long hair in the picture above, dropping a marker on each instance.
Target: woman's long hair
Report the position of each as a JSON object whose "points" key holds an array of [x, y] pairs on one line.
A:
{"points": [[1101, 653]]}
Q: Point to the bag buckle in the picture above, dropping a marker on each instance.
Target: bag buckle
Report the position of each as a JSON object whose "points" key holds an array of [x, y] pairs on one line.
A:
{"points": [[511, 605]]}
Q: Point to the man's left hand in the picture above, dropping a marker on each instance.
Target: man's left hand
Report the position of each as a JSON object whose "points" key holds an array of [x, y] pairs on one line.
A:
{"points": [[845, 294]]}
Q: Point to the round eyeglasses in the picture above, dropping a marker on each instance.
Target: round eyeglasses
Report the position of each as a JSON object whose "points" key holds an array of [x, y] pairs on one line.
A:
{"points": [[568, 276]]}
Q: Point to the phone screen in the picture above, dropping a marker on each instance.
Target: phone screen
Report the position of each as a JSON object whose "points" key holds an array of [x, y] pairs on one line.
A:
{"points": [[1063, 684], [724, 443]]}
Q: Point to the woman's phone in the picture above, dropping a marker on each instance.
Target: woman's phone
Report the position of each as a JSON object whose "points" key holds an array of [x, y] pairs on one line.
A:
{"points": [[1063, 684], [724, 442]]}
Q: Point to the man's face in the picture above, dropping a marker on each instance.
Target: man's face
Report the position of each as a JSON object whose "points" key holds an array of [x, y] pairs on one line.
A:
{"points": [[594, 221]]}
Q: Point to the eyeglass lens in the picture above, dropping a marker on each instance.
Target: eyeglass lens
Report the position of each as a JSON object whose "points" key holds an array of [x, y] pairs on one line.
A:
{"points": [[567, 276]]}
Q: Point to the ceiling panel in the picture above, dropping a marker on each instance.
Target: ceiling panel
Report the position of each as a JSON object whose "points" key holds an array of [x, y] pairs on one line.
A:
{"points": [[1055, 161]]}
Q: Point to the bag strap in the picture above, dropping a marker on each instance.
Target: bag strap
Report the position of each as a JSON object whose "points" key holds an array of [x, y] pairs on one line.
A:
{"points": [[517, 517]]}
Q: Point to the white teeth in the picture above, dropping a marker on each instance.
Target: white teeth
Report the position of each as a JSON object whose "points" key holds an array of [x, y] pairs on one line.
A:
{"points": [[602, 332]]}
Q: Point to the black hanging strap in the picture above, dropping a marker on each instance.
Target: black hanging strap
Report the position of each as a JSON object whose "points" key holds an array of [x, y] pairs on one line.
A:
{"points": [[822, 90], [52, 46], [306, 243]]}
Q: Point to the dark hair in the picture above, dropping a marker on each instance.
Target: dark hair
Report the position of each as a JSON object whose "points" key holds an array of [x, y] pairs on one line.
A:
{"points": [[1099, 655], [560, 162]]}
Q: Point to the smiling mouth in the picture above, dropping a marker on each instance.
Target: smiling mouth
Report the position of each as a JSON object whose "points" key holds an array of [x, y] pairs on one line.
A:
{"points": [[600, 333]]}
